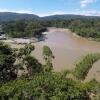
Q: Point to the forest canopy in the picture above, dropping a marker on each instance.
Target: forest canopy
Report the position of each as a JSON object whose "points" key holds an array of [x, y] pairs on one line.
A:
{"points": [[85, 27], [88, 28], [23, 28]]}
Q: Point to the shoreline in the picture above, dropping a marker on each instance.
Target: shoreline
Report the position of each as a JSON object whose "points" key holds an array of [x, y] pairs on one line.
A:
{"points": [[78, 36], [67, 48], [50, 30]]}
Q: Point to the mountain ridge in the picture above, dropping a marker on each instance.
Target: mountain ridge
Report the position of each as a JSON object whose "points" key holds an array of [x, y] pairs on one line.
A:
{"points": [[10, 16]]}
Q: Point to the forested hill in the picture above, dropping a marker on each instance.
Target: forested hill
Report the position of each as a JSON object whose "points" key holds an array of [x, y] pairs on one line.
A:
{"points": [[62, 17], [9, 16], [68, 17]]}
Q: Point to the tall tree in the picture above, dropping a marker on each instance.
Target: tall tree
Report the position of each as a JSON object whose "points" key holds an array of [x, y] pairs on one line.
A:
{"points": [[7, 60]]}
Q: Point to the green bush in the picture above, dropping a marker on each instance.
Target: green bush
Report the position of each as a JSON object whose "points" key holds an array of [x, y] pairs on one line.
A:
{"points": [[44, 86], [83, 67]]}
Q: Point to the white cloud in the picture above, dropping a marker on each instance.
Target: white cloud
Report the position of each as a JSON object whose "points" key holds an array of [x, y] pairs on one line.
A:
{"points": [[76, 12], [16, 11], [52, 13], [86, 12], [84, 3], [91, 13]]}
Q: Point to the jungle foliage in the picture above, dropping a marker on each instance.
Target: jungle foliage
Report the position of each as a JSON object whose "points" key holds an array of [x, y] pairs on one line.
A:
{"points": [[82, 68], [23, 28], [38, 83], [88, 28]]}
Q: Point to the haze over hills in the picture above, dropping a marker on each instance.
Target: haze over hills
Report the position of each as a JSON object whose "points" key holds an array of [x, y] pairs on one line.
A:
{"points": [[9, 16]]}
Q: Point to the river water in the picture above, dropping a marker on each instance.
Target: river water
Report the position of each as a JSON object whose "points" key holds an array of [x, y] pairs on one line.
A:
{"points": [[68, 49]]}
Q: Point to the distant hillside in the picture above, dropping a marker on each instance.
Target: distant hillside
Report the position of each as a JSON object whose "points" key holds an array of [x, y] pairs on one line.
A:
{"points": [[67, 16], [8, 16]]}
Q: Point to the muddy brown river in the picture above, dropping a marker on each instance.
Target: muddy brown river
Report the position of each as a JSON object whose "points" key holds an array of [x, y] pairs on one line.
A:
{"points": [[68, 49]]}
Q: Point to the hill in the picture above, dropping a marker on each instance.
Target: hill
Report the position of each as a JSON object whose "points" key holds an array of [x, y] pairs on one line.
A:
{"points": [[67, 16], [8, 16]]}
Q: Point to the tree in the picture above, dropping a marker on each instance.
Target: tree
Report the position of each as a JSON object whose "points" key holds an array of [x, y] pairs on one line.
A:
{"points": [[26, 50], [7, 60], [26, 61], [82, 68], [23, 28], [48, 56], [32, 64], [44, 86]]}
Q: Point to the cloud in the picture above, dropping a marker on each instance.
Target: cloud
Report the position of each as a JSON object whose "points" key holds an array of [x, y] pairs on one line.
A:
{"points": [[86, 12], [52, 13], [91, 13], [84, 3], [75, 12], [17, 11]]}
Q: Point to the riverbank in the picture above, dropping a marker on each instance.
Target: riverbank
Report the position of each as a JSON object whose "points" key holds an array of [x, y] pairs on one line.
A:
{"points": [[90, 38], [67, 48], [75, 34]]}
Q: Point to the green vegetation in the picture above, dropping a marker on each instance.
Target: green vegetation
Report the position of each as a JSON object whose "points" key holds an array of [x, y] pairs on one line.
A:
{"points": [[83, 67], [89, 28], [41, 82], [44, 86], [85, 27], [7, 60], [26, 61], [48, 56], [22, 28], [13, 60]]}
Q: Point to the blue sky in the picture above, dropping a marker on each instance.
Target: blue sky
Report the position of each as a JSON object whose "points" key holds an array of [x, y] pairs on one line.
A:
{"points": [[51, 7]]}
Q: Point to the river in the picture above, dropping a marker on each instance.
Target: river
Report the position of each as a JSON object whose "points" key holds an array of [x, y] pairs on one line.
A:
{"points": [[68, 49]]}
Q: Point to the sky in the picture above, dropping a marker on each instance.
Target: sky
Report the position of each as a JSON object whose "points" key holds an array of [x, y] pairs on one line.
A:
{"points": [[51, 7]]}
